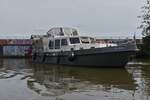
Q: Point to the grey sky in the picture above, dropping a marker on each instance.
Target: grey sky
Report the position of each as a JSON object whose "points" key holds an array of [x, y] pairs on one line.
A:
{"points": [[96, 17]]}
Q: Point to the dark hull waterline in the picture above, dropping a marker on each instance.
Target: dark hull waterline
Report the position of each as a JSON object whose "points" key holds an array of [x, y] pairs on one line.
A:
{"points": [[99, 60], [101, 57]]}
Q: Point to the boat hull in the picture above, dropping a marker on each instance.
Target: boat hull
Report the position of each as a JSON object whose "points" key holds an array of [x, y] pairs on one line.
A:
{"points": [[96, 57]]}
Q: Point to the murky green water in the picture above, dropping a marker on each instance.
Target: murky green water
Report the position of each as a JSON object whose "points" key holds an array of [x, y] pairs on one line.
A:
{"points": [[22, 80]]}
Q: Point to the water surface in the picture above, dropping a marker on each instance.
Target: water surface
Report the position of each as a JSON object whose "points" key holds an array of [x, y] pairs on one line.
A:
{"points": [[22, 80]]}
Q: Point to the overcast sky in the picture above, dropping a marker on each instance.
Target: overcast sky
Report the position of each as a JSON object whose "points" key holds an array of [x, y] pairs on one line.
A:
{"points": [[91, 17]]}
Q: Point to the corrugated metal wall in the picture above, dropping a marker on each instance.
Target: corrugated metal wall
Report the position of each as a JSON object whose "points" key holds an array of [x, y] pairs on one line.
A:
{"points": [[1, 51], [15, 47], [3, 42], [15, 41], [20, 41], [15, 50]]}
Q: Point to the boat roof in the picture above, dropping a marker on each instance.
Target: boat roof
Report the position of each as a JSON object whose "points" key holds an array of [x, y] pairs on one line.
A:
{"points": [[62, 31], [63, 37]]}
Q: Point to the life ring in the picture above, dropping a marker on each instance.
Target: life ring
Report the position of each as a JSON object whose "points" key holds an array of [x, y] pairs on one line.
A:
{"points": [[71, 57]]}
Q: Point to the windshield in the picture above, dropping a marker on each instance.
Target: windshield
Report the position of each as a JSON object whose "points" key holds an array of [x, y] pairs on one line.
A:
{"points": [[70, 32], [92, 40], [74, 40], [85, 40]]}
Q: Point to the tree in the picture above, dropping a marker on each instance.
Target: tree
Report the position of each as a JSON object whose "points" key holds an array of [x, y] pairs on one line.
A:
{"points": [[145, 17], [145, 27]]}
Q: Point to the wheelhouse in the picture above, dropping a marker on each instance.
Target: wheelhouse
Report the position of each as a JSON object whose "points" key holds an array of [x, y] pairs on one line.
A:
{"points": [[63, 43], [57, 43]]}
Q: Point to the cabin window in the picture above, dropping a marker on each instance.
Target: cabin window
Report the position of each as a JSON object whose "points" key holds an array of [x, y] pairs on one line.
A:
{"points": [[74, 40], [51, 44], [85, 40], [64, 42], [74, 33], [92, 40], [57, 44]]}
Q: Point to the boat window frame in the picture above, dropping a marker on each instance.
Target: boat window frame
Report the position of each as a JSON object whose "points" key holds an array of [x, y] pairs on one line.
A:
{"points": [[65, 44], [52, 46], [92, 40], [83, 40], [73, 42], [57, 46]]}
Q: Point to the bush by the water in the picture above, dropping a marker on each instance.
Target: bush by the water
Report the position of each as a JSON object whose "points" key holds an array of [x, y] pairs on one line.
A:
{"points": [[145, 49]]}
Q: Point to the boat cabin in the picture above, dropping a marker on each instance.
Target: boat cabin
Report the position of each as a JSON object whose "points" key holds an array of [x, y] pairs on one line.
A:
{"points": [[63, 39], [49, 44]]}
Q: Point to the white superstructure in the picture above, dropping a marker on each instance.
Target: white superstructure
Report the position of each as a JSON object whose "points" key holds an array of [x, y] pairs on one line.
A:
{"points": [[65, 39]]}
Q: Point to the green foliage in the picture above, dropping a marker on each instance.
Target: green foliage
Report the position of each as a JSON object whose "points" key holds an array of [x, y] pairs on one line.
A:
{"points": [[145, 27], [145, 19], [146, 45]]}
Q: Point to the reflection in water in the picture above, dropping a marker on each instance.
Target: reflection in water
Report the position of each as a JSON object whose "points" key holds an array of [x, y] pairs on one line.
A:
{"points": [[60, 79], [141, 73], [51, 82]]}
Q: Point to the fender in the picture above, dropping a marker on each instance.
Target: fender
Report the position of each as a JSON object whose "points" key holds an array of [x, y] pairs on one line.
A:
{"points": [[71, 57]]}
